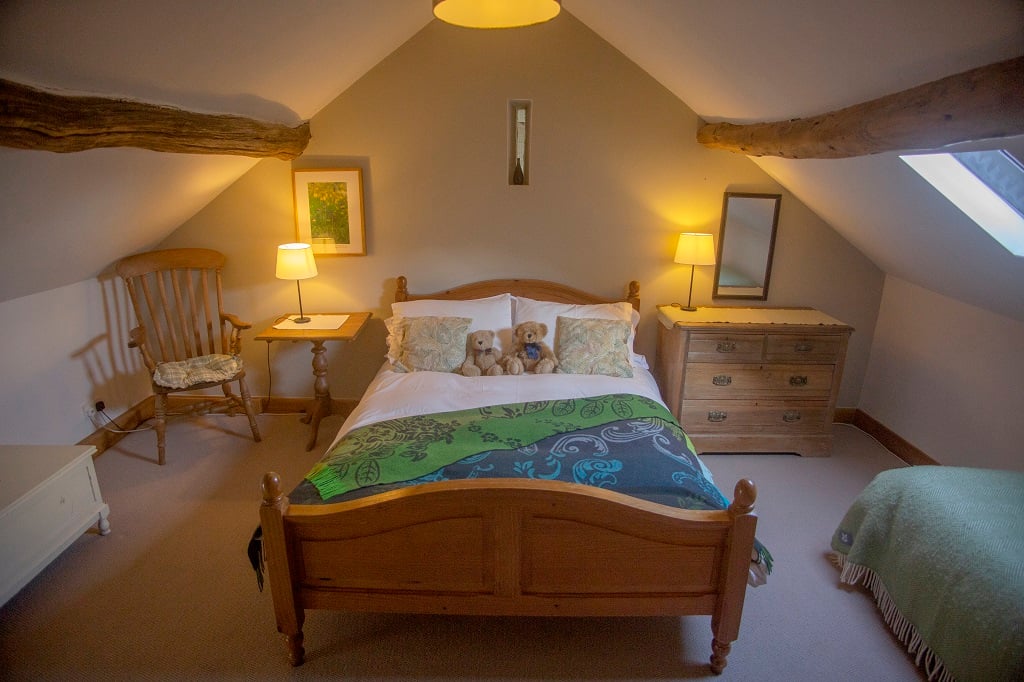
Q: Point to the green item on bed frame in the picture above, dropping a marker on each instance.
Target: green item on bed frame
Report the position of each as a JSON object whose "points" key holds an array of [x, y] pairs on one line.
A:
{"points": [[942, 549], [409, 447]]}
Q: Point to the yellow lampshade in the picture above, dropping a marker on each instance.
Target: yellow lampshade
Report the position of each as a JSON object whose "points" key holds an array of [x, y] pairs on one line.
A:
{"points": [[695, 248], [295, 261], [496, 13]]}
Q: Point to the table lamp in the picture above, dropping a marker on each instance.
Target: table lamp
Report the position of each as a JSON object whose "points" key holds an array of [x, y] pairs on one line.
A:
{"points": [[295, 261], [694, 248]]}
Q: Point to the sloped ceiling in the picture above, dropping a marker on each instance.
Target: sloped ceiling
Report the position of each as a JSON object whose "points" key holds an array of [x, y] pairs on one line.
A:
{"points": [[736, 60]]}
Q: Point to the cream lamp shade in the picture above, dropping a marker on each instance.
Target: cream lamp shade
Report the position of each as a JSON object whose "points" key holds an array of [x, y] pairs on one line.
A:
{"points": [[694, 248], [496, 13], [295, 261]]}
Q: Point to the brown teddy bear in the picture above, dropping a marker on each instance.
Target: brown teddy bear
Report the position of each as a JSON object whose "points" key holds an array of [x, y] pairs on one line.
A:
{"points": [[482, 359], [529, 352]]}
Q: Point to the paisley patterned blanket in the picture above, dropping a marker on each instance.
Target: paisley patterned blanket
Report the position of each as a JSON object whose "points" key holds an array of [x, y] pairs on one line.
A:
{"points": [[622, 442]]}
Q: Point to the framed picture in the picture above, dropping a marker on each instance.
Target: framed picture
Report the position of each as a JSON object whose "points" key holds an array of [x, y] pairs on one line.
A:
{"points": [[329, 210]]}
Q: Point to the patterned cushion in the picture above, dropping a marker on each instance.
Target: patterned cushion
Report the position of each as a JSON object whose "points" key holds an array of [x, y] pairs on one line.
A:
{"points": [[592, 346], [200, 370], [430, 344]]}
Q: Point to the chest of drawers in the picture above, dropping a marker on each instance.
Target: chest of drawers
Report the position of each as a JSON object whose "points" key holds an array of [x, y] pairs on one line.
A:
{"points": [[752, 379]]}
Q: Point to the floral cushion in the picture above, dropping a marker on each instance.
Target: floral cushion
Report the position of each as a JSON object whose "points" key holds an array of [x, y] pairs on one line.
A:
{"points": [[593, 346], [201, 370], [429, 344]]}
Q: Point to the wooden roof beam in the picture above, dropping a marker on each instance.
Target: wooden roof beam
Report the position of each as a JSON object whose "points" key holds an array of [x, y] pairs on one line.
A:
{"points": [[980, 104], [35, 119]]}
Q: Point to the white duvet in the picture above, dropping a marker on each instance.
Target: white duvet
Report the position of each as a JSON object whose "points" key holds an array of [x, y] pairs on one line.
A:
{"points": [[394, 394]]}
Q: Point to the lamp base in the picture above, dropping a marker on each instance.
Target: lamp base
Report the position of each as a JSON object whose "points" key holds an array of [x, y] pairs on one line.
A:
{"points": [[301, 320], [687, 308]]}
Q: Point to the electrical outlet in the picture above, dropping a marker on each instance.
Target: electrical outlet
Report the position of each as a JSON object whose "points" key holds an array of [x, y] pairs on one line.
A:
{"points": [[88, 410]]}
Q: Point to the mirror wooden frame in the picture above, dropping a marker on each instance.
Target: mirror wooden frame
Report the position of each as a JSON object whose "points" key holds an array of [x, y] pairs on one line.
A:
{"points": [[755, 291]]}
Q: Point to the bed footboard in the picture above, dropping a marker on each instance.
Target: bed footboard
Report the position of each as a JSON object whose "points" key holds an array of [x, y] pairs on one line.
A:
{"points": [[508, 547]]}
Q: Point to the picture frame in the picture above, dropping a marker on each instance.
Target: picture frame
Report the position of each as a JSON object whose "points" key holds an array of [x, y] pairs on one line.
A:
{"points": [[329, 210]]}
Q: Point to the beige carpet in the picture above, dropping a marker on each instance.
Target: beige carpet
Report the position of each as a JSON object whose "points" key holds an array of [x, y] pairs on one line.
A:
{"points": [[169, 593]]}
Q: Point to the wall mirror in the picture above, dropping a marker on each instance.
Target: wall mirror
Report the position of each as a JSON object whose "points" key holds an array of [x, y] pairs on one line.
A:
{"points": [[745, 245]]}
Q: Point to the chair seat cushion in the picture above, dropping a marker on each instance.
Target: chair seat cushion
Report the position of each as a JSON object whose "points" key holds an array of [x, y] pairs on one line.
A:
{"points": [[201, 370]]}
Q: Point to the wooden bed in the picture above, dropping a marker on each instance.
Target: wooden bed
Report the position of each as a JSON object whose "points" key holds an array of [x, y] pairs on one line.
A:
{"points": [[508, 547]]}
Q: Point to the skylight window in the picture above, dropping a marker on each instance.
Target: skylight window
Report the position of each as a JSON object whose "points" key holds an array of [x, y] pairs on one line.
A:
{"points": [[988, 186]]}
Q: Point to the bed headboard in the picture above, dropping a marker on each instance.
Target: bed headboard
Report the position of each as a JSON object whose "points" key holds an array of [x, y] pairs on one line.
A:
{"points": [[538, 289]]}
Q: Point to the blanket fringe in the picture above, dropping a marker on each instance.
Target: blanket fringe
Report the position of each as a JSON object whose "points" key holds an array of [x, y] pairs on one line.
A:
{"points": [[924, 657]]}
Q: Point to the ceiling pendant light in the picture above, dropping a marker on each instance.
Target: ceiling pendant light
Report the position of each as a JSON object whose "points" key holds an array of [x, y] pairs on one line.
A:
{"points": [[496, 13]]}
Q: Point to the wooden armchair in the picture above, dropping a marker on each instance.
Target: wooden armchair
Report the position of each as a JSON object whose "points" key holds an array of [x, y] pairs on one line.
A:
{"points": [[187, 340]]}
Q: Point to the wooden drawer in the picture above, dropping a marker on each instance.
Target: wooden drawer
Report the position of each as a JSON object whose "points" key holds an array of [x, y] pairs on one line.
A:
{"points": [[803, 348], [753, 416], [725, 381], [709, 347]]}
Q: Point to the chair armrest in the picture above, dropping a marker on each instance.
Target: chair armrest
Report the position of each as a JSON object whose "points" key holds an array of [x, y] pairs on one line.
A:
{"points": [[235, 338], [235, 321], [137, 339]]}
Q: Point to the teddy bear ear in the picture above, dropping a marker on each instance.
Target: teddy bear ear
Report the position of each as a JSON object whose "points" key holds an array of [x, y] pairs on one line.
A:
{"points": [[543, 329]]}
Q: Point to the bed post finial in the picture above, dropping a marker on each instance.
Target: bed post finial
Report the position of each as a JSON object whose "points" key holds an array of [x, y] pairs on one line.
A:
{"points": [[743, 497], [402, 293], [633, 294], [271, 487]]}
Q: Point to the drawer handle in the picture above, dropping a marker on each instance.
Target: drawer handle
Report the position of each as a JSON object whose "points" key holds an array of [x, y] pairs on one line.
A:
{"points": [[796, 380], [717, 416], [791, 416], [725, 347], [803, 347], [721, 380]]}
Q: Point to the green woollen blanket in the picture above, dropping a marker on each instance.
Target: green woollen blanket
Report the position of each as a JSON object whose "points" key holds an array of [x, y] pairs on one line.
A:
{"points": [[409, 447], [942, 549]]}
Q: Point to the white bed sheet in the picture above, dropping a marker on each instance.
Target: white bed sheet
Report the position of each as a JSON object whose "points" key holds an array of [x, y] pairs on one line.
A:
{"points": [[394, 394]]}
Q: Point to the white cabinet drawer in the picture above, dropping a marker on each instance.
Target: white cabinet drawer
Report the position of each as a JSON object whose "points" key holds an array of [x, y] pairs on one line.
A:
{"points": [[50, 495]]}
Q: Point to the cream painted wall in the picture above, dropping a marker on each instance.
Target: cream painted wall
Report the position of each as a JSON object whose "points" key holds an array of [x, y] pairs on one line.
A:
{"points": [[948, 378], [63, 349], [615, 175]]}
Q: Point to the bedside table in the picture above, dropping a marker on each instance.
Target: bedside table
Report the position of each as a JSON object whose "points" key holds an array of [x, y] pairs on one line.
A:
{"points": [[352, 326], [752, 379]]}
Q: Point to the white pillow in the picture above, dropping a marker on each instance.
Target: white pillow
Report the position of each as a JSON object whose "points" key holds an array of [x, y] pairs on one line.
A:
{"points": [[544, 311], [493, 312]]}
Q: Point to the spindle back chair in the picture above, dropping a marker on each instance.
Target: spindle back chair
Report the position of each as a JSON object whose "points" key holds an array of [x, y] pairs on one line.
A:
{"points": [[187, 341]]}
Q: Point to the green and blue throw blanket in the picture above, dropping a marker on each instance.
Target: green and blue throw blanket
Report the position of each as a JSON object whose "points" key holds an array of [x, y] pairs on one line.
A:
{"points": [[621, 442]]}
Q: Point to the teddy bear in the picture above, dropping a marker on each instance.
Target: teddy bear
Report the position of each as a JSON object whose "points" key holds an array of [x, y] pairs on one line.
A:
{"points": [[529, 353], [482, 358]]}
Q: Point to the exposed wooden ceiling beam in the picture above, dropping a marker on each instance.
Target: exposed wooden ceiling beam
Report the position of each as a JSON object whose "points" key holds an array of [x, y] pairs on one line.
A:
{"points": [[980, 104], [35, 119]]}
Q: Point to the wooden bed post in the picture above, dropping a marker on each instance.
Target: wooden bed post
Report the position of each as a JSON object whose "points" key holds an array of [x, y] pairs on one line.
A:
{"points": [[725, 623], [289, 616], [402, 292]]}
